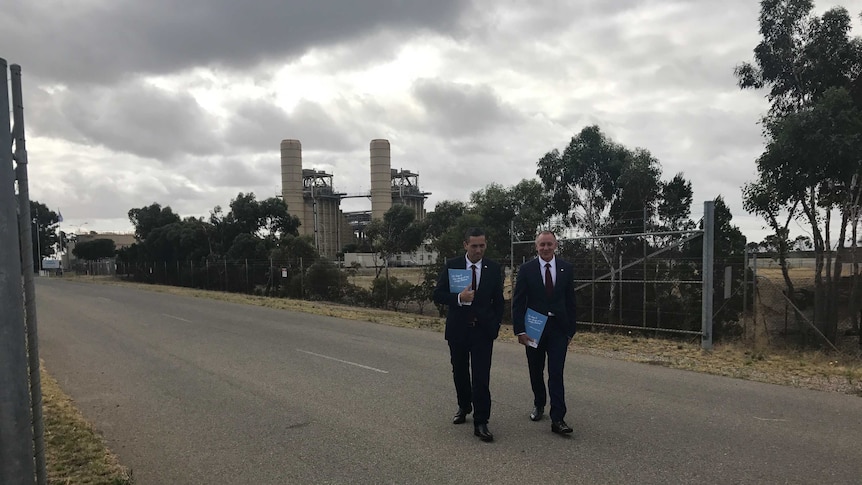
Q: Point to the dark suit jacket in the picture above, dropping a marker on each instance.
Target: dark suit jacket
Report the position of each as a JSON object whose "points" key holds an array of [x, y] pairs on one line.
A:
{"points": [[487, 302], [530, 293]]}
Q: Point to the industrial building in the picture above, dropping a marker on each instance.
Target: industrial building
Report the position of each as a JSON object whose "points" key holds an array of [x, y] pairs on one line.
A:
{"points": [[311, 197]]}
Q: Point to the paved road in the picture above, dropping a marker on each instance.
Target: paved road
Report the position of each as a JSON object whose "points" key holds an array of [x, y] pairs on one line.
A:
{"points": [[192, 391]]}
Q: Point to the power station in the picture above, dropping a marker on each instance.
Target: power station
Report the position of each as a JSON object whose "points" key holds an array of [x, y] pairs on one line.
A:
{"points": [[311, 197]]}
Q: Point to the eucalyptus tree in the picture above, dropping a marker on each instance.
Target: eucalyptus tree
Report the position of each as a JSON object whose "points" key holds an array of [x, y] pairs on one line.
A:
{"points": [[597, 186], [251, 228], [145, 219], [814, 159], [95, 250], [811, 166], [44, 232], [674, 205], [397, 232]]}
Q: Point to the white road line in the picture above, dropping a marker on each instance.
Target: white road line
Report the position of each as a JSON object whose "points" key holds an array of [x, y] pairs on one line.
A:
{"points": [[343, 361], [177, 318], [779, 420]]}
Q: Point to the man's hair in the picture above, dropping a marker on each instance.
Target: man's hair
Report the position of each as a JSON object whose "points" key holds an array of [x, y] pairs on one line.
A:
{"points": [[473, 232], [546, 232]]}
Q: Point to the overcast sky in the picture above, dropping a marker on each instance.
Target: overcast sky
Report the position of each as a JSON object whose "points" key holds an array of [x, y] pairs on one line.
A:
{"points": [[185, 103]]}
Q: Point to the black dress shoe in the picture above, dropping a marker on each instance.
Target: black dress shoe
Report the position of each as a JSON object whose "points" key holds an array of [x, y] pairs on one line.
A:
{"points": [[482, 432], [460, 416], [560, 427], [537, 413]]}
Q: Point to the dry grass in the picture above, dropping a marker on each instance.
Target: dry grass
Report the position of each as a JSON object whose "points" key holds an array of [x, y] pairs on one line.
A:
{"points": [[74, 451]]}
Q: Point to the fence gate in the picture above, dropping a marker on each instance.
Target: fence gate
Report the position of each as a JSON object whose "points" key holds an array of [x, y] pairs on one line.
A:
{"points": [[663, 271]]}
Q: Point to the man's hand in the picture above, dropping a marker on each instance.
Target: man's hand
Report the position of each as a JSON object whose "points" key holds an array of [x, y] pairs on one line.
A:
{"points": [[467, 295], [524, 339]]}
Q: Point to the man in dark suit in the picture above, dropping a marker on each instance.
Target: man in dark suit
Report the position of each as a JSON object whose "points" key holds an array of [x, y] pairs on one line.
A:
{"points": [[472, 324], [546, 285]]}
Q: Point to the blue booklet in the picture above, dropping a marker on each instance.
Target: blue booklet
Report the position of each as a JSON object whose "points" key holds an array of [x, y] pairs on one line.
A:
{"points": [[535, 325], [459, 279]]}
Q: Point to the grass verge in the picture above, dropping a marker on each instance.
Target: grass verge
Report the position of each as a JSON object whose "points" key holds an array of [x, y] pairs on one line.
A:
{"points": [[74, 452]]}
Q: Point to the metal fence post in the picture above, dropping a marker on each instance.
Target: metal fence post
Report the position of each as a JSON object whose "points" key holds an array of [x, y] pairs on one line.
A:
{"points": [[708, 273], [16, 432], [29, 284]]}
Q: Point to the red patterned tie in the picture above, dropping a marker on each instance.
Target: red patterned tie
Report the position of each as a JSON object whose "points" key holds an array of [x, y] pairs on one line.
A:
{"points": [[473, 283], [549, 281]]}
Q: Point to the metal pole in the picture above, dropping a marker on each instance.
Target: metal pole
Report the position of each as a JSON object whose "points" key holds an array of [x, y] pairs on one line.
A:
{"points": [[593, 281], [645, 270], [38, 258], [512, 256], [745, 293], [754, 294], [29, 284], [16, 431], [708, 274]]}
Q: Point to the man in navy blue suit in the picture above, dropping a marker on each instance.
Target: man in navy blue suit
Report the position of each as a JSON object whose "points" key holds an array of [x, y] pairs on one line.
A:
{"points": [[546, 285], [472, 324]]}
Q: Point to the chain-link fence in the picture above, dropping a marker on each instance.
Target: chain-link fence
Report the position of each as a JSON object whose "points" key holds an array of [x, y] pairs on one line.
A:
{"points": [[404, 289], [648, 282], [651, 289], [780, 319]]}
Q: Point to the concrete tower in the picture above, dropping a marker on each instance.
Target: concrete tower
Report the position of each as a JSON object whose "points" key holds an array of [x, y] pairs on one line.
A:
{"points": [[381, 178], [291, 181]]}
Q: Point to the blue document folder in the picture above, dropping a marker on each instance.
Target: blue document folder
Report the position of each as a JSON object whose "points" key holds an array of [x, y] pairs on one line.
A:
{"points": [[535, 325], [459, 279]]}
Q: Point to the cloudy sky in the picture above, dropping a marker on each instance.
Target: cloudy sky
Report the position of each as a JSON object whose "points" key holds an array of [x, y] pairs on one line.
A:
{"points": [[185, 103]]}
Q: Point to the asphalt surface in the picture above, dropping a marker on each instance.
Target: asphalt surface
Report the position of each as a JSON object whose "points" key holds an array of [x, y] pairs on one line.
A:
{"points": [[197, 391]]}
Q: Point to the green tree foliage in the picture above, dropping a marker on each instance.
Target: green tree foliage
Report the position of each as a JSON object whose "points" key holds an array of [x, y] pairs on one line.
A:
{"points": [[95, 250], [443, 217], [811, 67], [602, 188], [324, 281], [391, 293], [44, 231], [674, 205], [520, 208], [294, 248], [251, 228], [185, 240], [397, 232], [451, 242], [148, 218]]}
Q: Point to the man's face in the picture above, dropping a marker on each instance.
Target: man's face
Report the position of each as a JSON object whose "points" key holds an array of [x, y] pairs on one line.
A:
{"points": [[546, 244], [475, 247]]}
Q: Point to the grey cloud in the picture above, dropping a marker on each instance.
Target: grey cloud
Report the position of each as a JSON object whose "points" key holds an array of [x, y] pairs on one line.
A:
{"points": [[99, 42], [461, 110], [261, 125], [136, 118]]}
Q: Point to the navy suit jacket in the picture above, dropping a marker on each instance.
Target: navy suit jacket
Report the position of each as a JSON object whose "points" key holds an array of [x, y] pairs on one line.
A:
{"points": [[487, 304], [530, 293]]}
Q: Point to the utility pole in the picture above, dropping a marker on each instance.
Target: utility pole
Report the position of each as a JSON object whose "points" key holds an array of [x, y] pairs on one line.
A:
{"points": [[16, 432]]}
